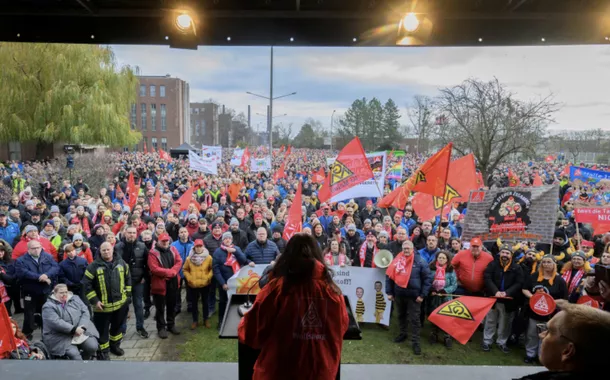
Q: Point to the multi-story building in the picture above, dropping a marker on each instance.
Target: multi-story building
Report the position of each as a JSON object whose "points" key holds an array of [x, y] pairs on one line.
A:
{"points": [[204, 124], [161, 113]]}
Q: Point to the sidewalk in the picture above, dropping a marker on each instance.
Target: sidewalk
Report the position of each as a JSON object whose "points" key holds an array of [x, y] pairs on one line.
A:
{"points": [[151, 349]]}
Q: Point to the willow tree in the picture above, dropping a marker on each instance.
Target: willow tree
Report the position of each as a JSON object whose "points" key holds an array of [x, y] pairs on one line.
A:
{"points": [[65, 93]]}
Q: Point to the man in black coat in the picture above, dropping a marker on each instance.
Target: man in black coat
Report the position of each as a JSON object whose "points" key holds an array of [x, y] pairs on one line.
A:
{"points": [[240, 238], [504, 280], [212, 243], [135, 254]]}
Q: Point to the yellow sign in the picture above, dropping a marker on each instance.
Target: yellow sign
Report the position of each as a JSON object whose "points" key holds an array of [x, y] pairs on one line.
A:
{"points": [[456, 309], [339, 172], [420, 177], [450, 193]]}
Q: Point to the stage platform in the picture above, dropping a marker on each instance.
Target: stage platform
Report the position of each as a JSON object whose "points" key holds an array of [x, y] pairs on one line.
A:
{"points": [[67, 370]]}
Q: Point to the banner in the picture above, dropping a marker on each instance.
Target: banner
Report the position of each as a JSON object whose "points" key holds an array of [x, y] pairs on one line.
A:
{"points": [[395, 171], [369, 188], [236, 157], [592, 215], [208, 165], [515, 213], [262, 164], [7, 340], [591, 188], [210, 152], [365, 288]]}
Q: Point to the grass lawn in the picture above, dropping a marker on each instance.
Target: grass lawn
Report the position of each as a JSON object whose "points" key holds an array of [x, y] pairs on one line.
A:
{"points": [[376, 347]]}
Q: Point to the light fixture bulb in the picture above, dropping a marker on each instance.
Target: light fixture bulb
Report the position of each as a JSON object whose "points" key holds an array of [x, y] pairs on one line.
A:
{"points": [[410, 22], [184, 21]]}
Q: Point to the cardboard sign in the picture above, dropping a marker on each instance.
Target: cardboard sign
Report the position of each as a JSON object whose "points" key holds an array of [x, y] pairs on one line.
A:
{"points": [[542, 304]]}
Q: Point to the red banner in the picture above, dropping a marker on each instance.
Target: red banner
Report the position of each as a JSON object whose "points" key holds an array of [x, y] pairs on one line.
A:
{"points": [[294, 223], [592, 215], [461, 317], [7, 340]]}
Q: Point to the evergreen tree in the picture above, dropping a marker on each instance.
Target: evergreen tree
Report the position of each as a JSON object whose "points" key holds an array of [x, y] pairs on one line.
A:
{"points": [[65, 93], [391, 126]]}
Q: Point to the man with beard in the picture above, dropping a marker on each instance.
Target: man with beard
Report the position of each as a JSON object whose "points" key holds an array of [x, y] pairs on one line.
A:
{"points": [[165, 264], [202, 231], [559, 248], [240, 238], [192, 225], [276, 237], [135, 254], [395, 246], [258, 223], [367, 251], [146, 237], [503, 279], [353, 242], [212, 242], [429, 252], [244, 224]]}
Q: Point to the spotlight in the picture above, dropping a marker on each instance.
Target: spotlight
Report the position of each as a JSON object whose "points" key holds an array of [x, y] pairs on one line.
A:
{"points": [[166, 38], [92, 37], [607, 38], [410, 22], [543, 39], [184, 21], [291, 39], [480, 40], [19, 35], [354, 39], [229, 38]]}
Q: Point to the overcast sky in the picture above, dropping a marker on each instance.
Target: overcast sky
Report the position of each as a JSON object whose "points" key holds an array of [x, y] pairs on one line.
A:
{"points": [[328, 79]]}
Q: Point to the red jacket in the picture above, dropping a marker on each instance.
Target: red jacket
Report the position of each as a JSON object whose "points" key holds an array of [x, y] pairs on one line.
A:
{"points": [[159, 274], [22, 247], [469, 271], [300, 335]]}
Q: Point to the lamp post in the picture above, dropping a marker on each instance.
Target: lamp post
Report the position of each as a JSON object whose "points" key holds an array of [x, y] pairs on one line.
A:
{"points": [[331, 130], [270, 98]]}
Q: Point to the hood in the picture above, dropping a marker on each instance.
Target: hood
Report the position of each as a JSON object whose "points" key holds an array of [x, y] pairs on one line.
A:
{"points": [[53, 298]]}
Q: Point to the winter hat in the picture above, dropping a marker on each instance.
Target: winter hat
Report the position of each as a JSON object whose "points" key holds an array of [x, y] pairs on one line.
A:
{"points": [[367, 221], [278, 229], [76, 237], [47, 222], [193, 216], [227, 235], [351, 227], [384, 234], [54, 209], [29, 228], [220, 214], [29, 203], [559, 234], [234, 221]]}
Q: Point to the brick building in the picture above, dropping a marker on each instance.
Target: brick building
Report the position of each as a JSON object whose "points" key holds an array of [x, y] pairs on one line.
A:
{"points": [[204, 124], [161, 112]]}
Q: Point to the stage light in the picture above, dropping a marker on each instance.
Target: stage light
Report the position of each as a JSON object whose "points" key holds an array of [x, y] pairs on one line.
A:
{"points": [[543, 39], [19, 35], [229, 38], [184, 21], [354, 39], [410, 22], [166, 38], [607, 38], [480, 40], [291, 39], [92, 37]]}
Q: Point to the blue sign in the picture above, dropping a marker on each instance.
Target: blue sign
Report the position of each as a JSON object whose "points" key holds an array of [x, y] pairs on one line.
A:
{"points": [[588, 176]]}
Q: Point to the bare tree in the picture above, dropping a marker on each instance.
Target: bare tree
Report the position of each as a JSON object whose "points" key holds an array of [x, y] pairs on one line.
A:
{"points": [[487, 120], [421, 122]]}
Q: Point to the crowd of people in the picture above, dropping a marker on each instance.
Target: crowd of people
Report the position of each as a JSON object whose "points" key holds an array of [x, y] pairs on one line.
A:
{"points": [[74, 260]]}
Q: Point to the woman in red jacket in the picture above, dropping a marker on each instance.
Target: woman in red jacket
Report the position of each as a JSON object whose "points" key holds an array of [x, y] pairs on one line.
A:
{"points": [[298, 320]]}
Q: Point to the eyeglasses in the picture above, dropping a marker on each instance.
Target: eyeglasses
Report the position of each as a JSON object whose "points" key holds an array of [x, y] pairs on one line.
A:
{"points": [[543, 330]]}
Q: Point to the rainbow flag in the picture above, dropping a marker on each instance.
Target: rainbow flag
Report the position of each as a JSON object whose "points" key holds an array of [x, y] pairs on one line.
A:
{"points": [[395, 171]]}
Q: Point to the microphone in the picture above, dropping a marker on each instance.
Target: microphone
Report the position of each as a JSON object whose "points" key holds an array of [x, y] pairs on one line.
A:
{"points": [[245, 308]]}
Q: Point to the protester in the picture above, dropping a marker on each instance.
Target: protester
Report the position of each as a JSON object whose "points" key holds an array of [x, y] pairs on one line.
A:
{"points": [[469, 265], [198, 273]]}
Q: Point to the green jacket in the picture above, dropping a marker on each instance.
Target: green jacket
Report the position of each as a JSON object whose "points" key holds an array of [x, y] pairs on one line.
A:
{"points": [[110, 286]]}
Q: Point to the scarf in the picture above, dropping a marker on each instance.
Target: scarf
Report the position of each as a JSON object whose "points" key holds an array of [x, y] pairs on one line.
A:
{"points": [[439, 278], [231, 260], [198, 258], [363, 254], [329, 258], [400, 269], [575, 281], [84, 224]]}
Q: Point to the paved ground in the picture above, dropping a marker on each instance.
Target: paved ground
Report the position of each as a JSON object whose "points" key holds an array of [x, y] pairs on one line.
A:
{"points": [[151, 349]]}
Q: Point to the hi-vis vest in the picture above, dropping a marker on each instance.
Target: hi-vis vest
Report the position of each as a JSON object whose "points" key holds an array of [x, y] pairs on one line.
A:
{"points": [[110, 286]]}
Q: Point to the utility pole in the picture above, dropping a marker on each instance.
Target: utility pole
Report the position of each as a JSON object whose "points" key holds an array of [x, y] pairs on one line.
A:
{"points": [[331, 129]]}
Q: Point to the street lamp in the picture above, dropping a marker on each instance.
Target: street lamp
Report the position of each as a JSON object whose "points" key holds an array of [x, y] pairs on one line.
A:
{"points": [[331, 130], [270, 98]]}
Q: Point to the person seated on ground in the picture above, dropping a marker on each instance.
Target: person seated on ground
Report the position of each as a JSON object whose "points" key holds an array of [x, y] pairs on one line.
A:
{"points": [[574, 343], [24, 351], [67, 327], [313, 348]]}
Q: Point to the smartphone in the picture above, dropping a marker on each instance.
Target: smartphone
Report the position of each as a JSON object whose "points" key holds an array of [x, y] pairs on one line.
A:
{"points": [[602, 273]]}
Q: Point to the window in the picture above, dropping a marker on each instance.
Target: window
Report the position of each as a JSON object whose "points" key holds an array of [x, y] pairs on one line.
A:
{"points": [[134, 115], [163, 117], [153, 117], [162, 91], [143, 115], [145, 144], [142, 90], [164, 143], [153, 90], [154, 143], [197, 128]]}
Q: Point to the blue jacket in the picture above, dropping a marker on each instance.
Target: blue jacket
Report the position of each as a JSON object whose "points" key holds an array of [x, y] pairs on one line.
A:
{"points": [[261, 254], [71, 272], [428, 255], [419, 282], [224, 272], [10, 232], [28, 271], [183, 249], [325, 221]]}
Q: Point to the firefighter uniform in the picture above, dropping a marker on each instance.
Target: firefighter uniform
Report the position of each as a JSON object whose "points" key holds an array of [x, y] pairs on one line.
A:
{"points": [[110, 283]]}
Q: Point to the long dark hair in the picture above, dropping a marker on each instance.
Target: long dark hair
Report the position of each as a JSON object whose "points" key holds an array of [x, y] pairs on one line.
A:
{"points": [[297, 264], [448, 266]]}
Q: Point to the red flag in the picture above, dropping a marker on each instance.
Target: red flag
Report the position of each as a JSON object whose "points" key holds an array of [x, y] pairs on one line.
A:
{"points": [[288, 151], [279, 173], [549, 158], [461, 180], [431, 177], [399, 196], [152, 149], [164, 155], [156, 203], [566, 171], [513, 179], [319, 176], [132, 192], [461, 317], [187, 198], [349, 169], [7, 340], [294, 223], [145, 150], [480, 181], [537, 180], [245, 159]]}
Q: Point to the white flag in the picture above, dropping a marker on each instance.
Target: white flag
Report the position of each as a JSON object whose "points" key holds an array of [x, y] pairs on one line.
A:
{"points": [[260, 164], [205, 165], [237, 155], [214, 152]]}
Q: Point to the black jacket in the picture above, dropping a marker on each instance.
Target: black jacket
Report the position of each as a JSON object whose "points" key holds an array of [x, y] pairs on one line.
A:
{"points": [[110, 286], [551, 375], [511, 282], [240, 238], [136, 256]]}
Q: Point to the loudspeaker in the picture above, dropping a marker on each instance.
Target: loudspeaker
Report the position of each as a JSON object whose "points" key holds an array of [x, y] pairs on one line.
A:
{"points": [[383, 258]]}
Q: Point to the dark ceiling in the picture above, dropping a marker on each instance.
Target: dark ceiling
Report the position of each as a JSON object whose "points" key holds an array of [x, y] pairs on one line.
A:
{"points": [[308, 22]]}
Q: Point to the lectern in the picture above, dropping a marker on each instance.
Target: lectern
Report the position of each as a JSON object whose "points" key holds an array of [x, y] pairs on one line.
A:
{"points": [[246, 356]]}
